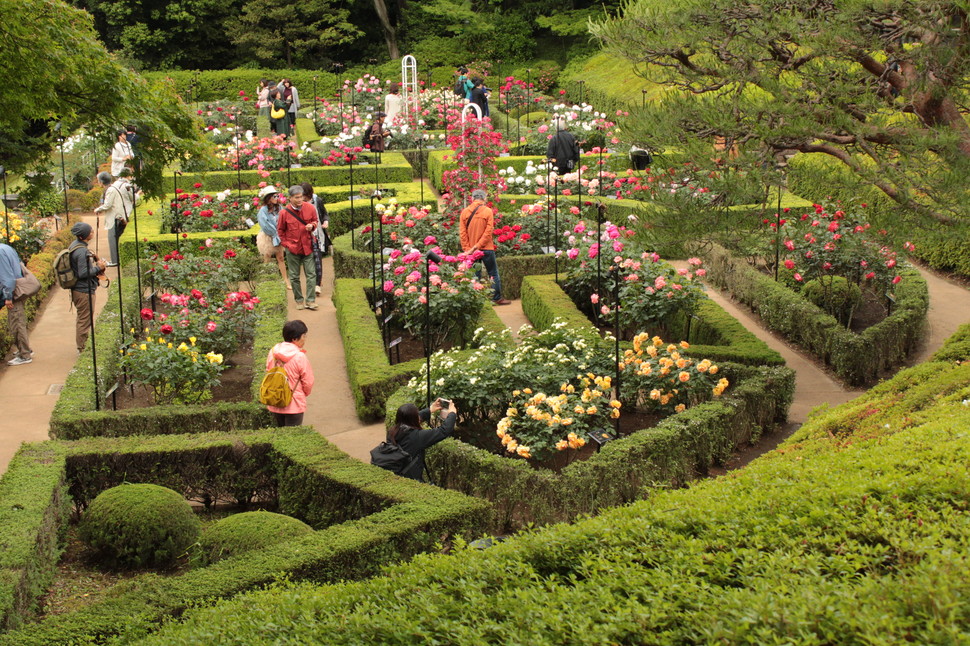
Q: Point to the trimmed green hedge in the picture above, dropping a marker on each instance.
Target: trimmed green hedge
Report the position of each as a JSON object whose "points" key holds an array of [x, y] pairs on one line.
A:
{"points": [[365, 516], [674, 452], [350, 263], [34, 505], [713, 333], [858, 537], [856, 358], [393, 168], [372, 377], [74, 415]]}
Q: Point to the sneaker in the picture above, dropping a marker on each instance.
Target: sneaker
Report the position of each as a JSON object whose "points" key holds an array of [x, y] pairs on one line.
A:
{"points": [[300, 305], [19, 361], [110, 264], [312, 306], [318, 290], [501, 301]]}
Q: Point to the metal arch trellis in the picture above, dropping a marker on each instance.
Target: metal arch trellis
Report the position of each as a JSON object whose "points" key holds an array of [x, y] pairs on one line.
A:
{"points": [[409, 85]]}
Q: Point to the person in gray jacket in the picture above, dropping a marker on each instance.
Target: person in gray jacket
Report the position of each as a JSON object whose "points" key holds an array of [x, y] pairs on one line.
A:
{"points": [[88, 269]]}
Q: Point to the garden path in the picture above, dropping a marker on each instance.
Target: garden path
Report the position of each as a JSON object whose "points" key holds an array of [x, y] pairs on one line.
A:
{"points": [[29, 392], [816, 386]]}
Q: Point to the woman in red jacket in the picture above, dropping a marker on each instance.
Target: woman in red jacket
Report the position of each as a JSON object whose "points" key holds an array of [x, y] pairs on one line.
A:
{"points": [[291, 355]]}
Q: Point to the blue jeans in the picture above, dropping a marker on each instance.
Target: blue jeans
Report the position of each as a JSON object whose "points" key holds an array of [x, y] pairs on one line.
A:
{"points": [[491, 266]]}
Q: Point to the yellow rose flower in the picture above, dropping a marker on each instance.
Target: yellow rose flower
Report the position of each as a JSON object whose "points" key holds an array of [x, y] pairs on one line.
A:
{"points": [[713, 370], [562, 445], [192, 340], [143, 347], [684, 345], [684, 377], [654, 394]]}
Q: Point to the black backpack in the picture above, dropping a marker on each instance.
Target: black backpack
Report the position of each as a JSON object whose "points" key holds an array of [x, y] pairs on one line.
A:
{"points": [[391, 457], [460, 87]]}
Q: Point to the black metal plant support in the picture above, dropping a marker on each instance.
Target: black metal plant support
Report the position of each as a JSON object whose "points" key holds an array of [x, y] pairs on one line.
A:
{"points": [[134, 220], [314, 103], [175, 208], [616, 336], [353, 210], [373, 251], [778, 234], [429, 258], [6, 213], [63, 178]]}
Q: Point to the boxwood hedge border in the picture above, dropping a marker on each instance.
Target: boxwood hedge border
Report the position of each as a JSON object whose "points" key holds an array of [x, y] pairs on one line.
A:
{"points": [[365, 516], [714, 333], [856, 358]]}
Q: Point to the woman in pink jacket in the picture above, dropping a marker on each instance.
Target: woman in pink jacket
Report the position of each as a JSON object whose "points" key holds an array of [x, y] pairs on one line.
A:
{"points": [[291, 355]]}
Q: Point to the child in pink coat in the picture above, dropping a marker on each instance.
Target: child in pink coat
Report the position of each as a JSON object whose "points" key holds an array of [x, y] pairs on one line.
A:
{"points": [[291, 355]]}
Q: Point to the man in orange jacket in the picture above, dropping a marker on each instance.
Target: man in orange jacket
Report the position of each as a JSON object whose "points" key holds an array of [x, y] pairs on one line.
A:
{"points": [[475, 225]]}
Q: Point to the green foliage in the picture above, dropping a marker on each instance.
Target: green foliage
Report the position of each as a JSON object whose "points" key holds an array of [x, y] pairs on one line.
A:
{"points": [[834, 294], [139, 525], [173, 374], [871, 520], [377, 518], [35, 508], [240, 533], [59, 79], [856, 358], [270, 32], [790, 77]]}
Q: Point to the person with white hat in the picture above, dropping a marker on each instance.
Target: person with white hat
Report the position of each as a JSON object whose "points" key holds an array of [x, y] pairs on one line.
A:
{"points": [[268, 240]]}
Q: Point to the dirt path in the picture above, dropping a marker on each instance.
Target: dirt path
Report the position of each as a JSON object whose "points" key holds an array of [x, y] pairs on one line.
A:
{"points": [[29, 392]]}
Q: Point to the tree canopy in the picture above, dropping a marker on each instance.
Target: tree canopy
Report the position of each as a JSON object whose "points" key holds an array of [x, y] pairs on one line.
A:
{"points": [[59, 78], [879, 85]]}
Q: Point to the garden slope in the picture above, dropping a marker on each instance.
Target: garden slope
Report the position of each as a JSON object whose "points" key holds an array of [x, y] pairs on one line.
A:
{"points": [[854, 531]]}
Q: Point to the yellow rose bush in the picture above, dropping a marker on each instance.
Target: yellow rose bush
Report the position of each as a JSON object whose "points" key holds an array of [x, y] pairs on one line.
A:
{"points": [[537, 425], [172, 373], [661, 376]]}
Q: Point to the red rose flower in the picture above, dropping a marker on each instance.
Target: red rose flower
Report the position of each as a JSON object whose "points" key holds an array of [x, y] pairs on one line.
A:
{"points": [[147, 314], [166, 329]]}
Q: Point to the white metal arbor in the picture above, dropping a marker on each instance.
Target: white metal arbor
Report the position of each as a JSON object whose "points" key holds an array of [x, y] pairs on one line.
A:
{"points": [[409, 85]]}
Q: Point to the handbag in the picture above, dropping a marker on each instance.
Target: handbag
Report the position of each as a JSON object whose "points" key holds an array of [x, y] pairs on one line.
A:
{"points": [[277, 113], [26, 286]]}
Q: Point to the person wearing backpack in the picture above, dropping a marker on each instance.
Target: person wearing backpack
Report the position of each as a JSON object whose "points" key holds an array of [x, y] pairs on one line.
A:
{"points": [[408, 434], [463, 85], [291, 356], [88, 270]]}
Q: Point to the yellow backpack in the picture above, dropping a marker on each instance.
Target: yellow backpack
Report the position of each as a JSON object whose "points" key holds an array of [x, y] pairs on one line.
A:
{"points": [[275, 388]]}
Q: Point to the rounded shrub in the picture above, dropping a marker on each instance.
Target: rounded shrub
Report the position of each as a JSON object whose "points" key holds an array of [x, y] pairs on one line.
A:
{"points": [[139, 525], [247, 531], [834, 294]]}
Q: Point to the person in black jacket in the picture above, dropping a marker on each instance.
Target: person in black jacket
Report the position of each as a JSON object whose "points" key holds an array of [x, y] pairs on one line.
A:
{"points": [[89, 270], [408, 434], [563, 150]]}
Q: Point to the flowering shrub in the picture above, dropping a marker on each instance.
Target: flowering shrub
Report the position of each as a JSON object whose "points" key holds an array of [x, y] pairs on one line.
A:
{"points": [[456, 296], [262, 155], [172, 372], [476, 146], [216, 268], [25, 236], [537, 425], [834, 242], [217, 325], [649, 290], [199, 212], [220, 119], [521, 97], [589, 127], [481, 382], [662, 377], [414, 227]]}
